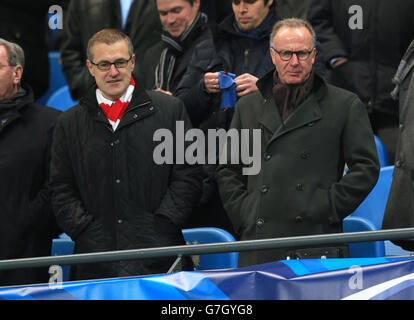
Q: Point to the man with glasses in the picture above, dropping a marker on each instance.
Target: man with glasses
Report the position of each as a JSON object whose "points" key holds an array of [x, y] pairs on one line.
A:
{"points": [[108, 192], [27, 223], [309, 131], [136, 18]]}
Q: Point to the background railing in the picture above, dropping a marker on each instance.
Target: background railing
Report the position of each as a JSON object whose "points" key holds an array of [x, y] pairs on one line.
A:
{"points": [[199, 249]]}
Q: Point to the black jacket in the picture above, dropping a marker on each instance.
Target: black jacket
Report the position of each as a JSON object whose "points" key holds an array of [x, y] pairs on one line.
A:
{"points": [[109, 194], [152, 58], [27, 222], [374, 51], [228, 50], [85, 18]]}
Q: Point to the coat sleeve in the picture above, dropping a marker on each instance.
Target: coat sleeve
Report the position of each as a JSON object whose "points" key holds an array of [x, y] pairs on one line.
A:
{"points": [[184, 190], [42, 217], [73, 54], [71, 214], [232, 184], [191, 89], [361, 157], [320, 15]]}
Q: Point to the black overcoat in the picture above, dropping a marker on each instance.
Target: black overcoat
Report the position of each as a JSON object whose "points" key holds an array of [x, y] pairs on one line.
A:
{"points": [[27, 221], [108, 191], [301, 188]]}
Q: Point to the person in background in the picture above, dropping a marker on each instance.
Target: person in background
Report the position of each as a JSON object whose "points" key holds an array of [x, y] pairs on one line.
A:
{"points": [[399, 212], [136, 18], [108, 192], [239, 45], [28, 224], [309, 131], [363, 42], [184, 26], [25, 23]]}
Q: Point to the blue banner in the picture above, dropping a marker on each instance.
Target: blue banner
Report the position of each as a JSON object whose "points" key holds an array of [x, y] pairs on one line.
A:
{"points": [[319, 279]]}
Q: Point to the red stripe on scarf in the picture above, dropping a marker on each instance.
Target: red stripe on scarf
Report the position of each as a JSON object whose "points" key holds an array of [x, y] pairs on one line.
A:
{"points": [[117, 109]]}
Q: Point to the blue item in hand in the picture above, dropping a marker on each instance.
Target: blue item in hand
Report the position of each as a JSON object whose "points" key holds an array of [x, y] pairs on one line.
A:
{"points": [[228, 87]]}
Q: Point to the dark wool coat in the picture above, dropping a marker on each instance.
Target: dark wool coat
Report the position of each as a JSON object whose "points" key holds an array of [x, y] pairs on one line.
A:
{"points": [[85, 18], [300, 189], [399, 212], [27, 221], [109, 194]]}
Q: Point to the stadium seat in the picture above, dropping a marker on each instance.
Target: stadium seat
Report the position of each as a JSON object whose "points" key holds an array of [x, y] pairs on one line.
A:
{"points": [[61, 99], [211, 235], [382, 152], [56, 77], [368, 217], [63, 246]]}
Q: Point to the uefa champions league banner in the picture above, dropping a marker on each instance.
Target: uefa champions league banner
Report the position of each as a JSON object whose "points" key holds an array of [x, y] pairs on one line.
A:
{"points": [[321, 279]]}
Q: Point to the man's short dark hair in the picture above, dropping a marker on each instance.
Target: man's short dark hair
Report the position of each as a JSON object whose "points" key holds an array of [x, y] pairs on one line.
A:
{"points": [[108, 36]]}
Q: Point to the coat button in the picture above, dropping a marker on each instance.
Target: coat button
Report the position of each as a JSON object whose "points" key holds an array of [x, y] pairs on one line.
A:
{"points": [[264, 189], [299, 187], [298, 218], [135, 116], [311, 124], [267, 156], [118, 181], [260, 222], [120, 221], [401, 126], [398, 163]]}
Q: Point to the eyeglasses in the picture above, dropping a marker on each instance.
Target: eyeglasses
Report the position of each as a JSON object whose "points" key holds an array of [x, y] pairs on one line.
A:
{"points": [[287, 55], [106, 65]]}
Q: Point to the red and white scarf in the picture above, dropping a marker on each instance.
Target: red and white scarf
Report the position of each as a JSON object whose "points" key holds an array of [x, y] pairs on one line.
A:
{"points": [[115, 109]]}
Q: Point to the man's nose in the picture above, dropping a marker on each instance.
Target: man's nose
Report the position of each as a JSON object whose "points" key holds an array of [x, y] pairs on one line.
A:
{"points": [[242, 7], [113, 70], [294, 61], [170, 18]]}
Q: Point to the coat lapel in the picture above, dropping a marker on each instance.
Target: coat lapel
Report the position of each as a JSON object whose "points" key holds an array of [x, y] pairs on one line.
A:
{"points": [[306, 114]]}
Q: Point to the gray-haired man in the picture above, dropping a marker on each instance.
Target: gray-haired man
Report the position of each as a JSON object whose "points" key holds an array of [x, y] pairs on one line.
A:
{"points": [[27, 221]]}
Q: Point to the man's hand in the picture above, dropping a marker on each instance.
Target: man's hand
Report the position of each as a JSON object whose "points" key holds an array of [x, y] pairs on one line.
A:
{"points": [[245, 84], [211, 82], [164, 91], [339, 62]]}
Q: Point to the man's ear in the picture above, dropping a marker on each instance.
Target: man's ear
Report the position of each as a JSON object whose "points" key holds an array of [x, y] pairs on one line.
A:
{"points": [[18, 73], [314, 53], [133, 61], [90, 67]]}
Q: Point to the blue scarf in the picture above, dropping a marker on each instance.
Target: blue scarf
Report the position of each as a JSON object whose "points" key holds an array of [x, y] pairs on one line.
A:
{"points": [[260, 31]]}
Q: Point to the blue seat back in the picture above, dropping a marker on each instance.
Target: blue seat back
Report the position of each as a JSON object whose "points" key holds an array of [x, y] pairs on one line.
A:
{"points": [[368, 216], [63, 246], [57, 78], [61, 99], [211, 235], [382, 152]]}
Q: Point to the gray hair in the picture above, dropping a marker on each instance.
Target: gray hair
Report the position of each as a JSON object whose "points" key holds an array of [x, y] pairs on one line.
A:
{"points": [[293, 23], [15, 53]]}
